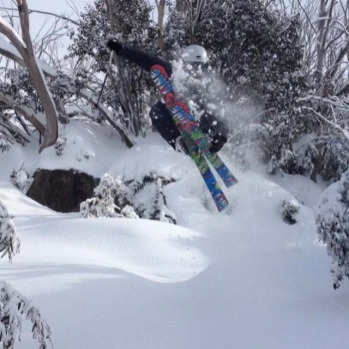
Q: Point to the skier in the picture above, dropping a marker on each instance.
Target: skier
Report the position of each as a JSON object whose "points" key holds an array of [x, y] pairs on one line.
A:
{"points": [[190, 84]]}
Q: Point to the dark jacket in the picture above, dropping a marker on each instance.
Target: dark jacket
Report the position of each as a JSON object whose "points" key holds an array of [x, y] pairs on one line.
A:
{"points": [[161, 116]]}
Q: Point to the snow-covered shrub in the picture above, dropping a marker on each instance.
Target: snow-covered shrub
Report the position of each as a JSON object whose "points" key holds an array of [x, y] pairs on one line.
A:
{"points": [[332, 219], [60, 145], [273, 166], [129, 212], [160, 211], [103, 204], [20, 178], [288, 162], [250, 145], [14, 308], [289, 210], [132, 199], [9, 243], [131, 23], [4, 144], [325, 156], [306, 159], [335, 158], [148, 198]]}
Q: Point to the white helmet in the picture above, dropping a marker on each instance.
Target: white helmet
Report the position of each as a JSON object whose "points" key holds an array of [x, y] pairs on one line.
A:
{"points": [[195, 53]]}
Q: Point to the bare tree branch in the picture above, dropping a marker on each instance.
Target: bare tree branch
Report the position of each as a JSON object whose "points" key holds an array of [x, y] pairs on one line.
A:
{"points": [[333, 124], [47, 13]]}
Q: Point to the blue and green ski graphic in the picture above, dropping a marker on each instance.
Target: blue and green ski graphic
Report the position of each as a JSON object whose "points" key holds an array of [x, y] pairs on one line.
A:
{"points": [[195, 140]]}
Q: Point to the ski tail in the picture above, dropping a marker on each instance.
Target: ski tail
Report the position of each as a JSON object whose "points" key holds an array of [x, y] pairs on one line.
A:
{"points": [[228, 178], [201, 163]]}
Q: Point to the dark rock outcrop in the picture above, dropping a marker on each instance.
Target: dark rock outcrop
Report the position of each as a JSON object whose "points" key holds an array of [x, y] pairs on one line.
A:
{"points": [[62, 190]]}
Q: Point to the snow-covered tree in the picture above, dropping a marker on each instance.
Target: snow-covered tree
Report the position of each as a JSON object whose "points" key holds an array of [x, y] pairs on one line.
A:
{"points": [[254, 48], [325, 106], [9, 243], [22, 111], [142, 198], [289, 210], [333, 226], [103, 204], [21, 179], [24, 46], [258, 54], [14, 308], [129, 21]]}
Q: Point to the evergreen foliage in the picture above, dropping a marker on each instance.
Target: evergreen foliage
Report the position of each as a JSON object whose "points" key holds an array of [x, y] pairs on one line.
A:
{"points": [[131, 24], [333, 226], [103, 204], [20, 178], [132, 199], [258, 54], [9, 243], [289, 210], [324, 157], [14, 308]]}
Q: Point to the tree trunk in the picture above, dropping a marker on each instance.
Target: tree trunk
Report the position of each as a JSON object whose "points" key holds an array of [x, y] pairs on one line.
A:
{"points": [[52, 74], [25, 48], [51, 131], [161, 6]]}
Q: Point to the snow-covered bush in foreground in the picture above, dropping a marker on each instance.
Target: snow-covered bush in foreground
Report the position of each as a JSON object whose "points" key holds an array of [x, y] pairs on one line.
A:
{"points": [[20, 178], [103, 204], [9, 243], [142, 198], [147, 196], [333, 226], [289, 210], [60, 145], [14, 307], [4, 144]]}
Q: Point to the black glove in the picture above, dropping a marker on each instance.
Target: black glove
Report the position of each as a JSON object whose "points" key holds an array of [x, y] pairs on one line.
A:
{"points": [[114, 45], [217, 143]]}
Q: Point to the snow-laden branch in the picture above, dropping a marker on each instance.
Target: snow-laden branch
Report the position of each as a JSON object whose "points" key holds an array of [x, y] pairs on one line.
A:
{"points": [[65, 18], [341, 53], [14, 308], [36, 119], [333, 124], [334, 101], [9, 243], [11, 52], [125, 136], [9, 31], [25, 49], [15, 53], [343, 89]]}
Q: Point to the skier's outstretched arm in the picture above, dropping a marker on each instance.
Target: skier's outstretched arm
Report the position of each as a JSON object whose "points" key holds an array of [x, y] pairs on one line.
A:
{"points": [[143, 59]]}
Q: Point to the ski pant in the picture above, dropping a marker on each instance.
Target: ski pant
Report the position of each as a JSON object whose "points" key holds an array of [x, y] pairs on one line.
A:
{"points": [[162, 121]]}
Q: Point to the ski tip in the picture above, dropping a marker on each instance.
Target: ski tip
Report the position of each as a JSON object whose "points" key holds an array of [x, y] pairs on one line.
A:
{"points": [[222, 204]]}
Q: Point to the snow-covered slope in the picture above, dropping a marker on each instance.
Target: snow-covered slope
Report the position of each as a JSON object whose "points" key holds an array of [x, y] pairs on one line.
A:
{"points": [[239, 279]]}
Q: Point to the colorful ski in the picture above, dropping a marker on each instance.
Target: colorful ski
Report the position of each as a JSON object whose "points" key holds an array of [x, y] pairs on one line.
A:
{"points": [[195, 139], [228, 178], [210, 180]]}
